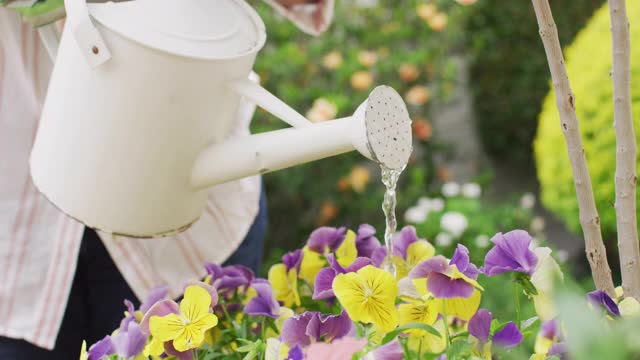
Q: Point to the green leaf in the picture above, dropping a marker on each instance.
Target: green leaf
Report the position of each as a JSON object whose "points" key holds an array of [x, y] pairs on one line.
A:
{"points": [[458, 349], [418, 326]]}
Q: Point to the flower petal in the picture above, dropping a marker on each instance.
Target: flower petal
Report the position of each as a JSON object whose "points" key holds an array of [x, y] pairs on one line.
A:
{"points": [[406, 237], [156, 294], [480, 325], [347, 251], [161, 308], [294, 329], [509, 336], [601, 299], [196, 303], [101, 348], [326, 239], [463, 308], [322, 288], [442, 286], [167, 327], [366, 242], [389, 351], [510, 253], [435, 264]]}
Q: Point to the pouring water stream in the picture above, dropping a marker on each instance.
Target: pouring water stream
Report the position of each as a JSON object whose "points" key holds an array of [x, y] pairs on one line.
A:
{"points": [[390, 180]]}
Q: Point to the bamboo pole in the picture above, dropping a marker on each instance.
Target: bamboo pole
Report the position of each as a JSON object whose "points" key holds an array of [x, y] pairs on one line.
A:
{"points": [[589, 219], [626, 151]]}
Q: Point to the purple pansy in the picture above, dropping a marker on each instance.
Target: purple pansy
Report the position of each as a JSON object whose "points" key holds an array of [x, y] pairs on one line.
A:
{"points": [[229, 277], [323, 285], [292, 260], [389, 351], [129, 343], [509, 336], [558, 349], [480, 328], [403, 239], [326, 239], [600, 299], [510, 253], [295, 353], [179, 355], [101, 348], [156, 294], [264, 303], [161, 308], [461, 260], [366, 242], [310, 327], [440, 283], [549, 330], [480, 325]]}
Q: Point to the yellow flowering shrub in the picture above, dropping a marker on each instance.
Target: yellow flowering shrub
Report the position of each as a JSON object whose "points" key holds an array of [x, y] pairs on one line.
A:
{"points": [[588, 64]]}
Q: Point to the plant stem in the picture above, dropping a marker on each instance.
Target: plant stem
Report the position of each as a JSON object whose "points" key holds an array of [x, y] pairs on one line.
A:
{"points": [[420, 350], [446, 324], [194, 354], [626, 148], [516, 295], [263, 326], [565, 101]]}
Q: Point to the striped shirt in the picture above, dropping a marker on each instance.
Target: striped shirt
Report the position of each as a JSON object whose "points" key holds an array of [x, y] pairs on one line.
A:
{"points": [[39, 245]]}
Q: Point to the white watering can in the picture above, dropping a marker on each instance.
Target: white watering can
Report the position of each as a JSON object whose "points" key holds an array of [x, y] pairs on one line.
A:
{"points": [[141, 102]]}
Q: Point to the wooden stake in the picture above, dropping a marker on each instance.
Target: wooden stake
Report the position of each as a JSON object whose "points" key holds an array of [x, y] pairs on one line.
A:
{"points": [[589, 219], [626, 151]]}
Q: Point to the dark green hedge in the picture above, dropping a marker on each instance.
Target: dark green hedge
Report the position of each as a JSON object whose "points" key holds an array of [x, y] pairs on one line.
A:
{"points": [[508, 68]]}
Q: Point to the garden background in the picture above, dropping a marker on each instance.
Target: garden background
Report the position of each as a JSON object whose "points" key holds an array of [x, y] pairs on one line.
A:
{"points": [[475, 78]]}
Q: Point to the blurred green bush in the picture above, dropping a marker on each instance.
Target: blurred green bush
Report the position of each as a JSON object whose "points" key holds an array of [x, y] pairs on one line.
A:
{"points": [[508, 66], [370, 43], [588, 64]]}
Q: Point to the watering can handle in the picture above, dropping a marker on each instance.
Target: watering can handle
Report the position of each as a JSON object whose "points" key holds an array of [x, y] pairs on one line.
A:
{"points": [[89, 39]]}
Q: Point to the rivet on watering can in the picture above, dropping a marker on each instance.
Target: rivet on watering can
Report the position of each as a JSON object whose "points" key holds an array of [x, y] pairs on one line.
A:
{"points": [[95, 50]]}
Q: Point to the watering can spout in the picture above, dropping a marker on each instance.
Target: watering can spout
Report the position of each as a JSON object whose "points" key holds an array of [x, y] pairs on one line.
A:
{"points": [[380, 129]]}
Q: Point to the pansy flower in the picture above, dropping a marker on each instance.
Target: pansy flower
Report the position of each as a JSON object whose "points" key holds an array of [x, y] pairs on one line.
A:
{"points": [[601, 300], [264, 303], [408, 251], [323, 286], [368, 296], [544, 277], [185, 324], [311, 264], [479, 327], [366, 242], [228, 278], [510, 253], [310, 327], [453, 281], [344, 348], [284, 278], [325, 239], [389, 351]]}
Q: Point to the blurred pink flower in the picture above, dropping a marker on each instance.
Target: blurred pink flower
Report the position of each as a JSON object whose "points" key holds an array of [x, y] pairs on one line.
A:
{"points": [[341, 349]]}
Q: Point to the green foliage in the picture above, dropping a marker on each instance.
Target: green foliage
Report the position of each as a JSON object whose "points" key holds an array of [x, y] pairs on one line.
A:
{"points": [[507, 68], [292, 66], [588, 64]]}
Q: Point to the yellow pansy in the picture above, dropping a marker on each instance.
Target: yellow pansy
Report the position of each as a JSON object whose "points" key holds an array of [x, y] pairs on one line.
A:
{"points": [[423, 309], [154, 347], [428, 342], [347, 251], [417, 252], [311, 264], [462, 308], [284, 284], [187, 328], [368, 296]]}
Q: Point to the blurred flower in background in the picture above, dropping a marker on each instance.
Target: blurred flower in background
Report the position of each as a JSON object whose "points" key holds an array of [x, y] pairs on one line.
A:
{"points": [[450, 189], [422, 129], [528, 201], [361, 80], [367, 58], [471, 190], [409, 72], [322, 110], [417, 95], [438, 22], [332, 60], [454, 223]]}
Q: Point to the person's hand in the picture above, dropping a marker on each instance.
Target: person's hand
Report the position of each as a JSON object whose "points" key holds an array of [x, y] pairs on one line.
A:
{"points": [[290, 3]]}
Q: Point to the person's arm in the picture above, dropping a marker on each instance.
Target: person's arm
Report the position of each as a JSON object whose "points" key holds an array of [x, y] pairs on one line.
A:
{"points": [[310, 16]]}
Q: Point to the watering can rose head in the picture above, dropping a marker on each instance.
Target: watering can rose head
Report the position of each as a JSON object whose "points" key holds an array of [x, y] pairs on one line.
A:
{"points": [[164, 96]]}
